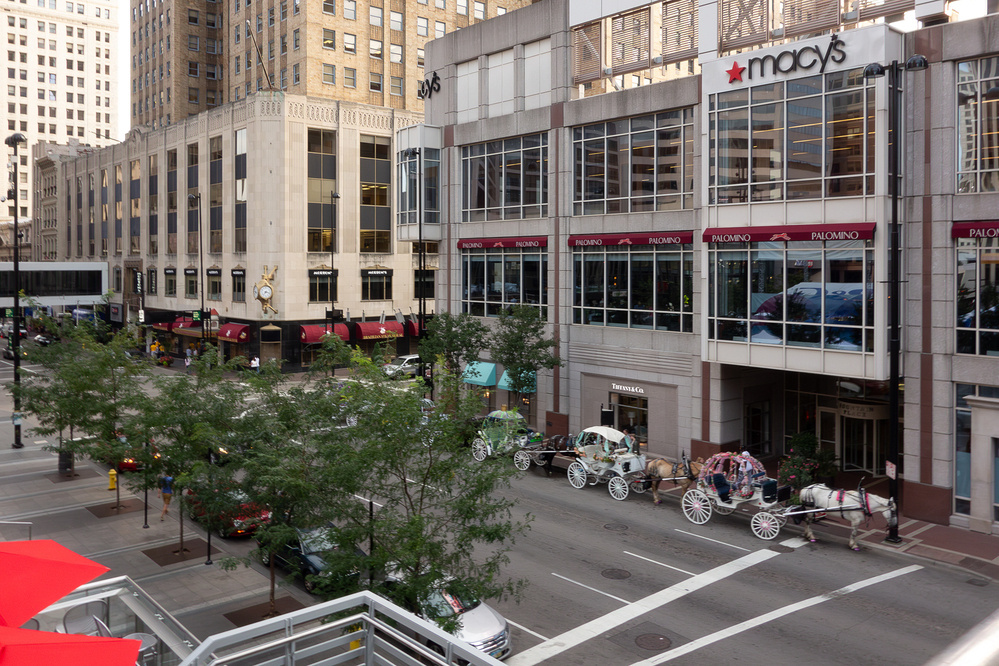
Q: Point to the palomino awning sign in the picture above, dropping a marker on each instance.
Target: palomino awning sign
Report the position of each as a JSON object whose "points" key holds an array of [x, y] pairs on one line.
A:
{"points": [[790, 61]]}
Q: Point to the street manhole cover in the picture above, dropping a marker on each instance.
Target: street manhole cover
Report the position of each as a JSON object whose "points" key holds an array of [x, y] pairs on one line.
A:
{"points": [[615, 527], [615, 574], [978, 582], [777, 548], [653, 642]]}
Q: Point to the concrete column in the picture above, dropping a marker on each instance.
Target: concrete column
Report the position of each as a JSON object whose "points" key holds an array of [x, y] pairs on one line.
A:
{"points": [[984, 432]]}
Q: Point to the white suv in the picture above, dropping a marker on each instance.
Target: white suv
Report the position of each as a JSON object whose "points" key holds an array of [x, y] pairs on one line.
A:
{"points": [[402, 366]]}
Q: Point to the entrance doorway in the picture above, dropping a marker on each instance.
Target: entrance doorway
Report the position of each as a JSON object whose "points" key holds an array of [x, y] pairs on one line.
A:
{"points": [[631, 412], [864, 445], [828, 433]]}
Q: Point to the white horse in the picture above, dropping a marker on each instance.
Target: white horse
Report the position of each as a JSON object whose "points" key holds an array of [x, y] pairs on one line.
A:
{"points": [[854, 505]]}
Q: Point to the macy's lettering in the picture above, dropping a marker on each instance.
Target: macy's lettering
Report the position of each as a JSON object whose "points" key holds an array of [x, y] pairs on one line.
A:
{"points": [[429, 86], [806, 58]]}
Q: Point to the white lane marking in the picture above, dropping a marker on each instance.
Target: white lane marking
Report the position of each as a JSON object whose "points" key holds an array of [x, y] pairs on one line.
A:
{"points": [[689, 573], [592, 589], [599, 626], [526, 630], [710, 539], [368, 499], [773, 615]]}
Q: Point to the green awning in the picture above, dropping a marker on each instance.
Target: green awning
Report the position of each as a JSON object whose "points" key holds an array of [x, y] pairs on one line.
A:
{"points": [[506, 384], [479, 373]]}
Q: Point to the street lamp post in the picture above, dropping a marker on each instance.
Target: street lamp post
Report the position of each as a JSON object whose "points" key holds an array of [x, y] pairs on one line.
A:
{"points": [[895, 71], [421, 298], [196, 198], [331, 314], [15, 140]]}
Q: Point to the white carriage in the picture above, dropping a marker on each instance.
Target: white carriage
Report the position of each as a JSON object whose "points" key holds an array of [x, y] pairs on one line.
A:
{"points": [[730, 480], [602, 456], [501, 432]]}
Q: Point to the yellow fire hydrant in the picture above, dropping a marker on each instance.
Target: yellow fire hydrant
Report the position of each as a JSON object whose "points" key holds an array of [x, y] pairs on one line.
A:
{"points": [[112, 479]]}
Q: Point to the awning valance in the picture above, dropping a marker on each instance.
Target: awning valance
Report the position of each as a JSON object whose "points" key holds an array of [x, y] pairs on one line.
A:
{"points": [[372, 330], [313, 333], [977, 229], [193, 331], [793, 232], [506, 384], [652, 238], [483, 243], [479, 373], [234, 333]]}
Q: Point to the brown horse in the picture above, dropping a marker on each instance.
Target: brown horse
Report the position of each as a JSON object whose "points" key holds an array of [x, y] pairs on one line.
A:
{"points": [[682, 473]]}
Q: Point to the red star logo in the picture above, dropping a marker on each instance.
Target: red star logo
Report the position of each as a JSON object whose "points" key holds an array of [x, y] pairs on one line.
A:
{"points": [[735, 74]]}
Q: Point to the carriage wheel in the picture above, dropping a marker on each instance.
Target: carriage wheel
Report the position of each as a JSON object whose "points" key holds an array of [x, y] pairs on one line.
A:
{"points": [[617, 487], [765, 525], [696, 506], [479, 449], [576, 474], [637, 487], [521, 460], [778, 515]]}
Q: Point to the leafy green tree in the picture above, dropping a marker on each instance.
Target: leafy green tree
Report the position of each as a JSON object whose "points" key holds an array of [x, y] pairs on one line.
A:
{"points": [[520, 344], [425, 513], [455, 339]]}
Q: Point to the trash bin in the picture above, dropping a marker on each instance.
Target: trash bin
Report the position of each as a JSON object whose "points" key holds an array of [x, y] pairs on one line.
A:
{"points": [[66, 463]]}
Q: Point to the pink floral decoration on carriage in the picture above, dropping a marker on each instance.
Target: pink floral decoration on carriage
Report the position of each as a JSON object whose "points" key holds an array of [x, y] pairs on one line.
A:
{"points": [[739, 470]]}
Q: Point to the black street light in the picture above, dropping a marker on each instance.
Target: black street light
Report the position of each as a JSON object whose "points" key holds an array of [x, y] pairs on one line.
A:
{"points": [[15, 140], [332, 314], [196, 198], [422, 271], [895, 71]]}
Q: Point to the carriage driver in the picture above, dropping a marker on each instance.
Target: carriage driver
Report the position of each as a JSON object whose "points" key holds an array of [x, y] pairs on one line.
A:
{"points": [[630, 441]]}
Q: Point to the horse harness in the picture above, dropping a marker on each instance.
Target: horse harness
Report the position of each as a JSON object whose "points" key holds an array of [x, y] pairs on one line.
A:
{"points": [[862, 497]]}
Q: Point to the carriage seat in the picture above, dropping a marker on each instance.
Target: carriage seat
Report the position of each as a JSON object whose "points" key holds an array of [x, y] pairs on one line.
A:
{"points": [[589, 451], [631, 462]]}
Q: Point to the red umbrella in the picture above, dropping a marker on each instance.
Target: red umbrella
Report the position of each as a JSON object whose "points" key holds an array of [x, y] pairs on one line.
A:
{"points": [[26, 647], [39, 573]]}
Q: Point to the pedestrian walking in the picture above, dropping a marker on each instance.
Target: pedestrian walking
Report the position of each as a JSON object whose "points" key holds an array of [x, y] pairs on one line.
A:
{"points": [[187, 365], [166, 492], [255, 364]]}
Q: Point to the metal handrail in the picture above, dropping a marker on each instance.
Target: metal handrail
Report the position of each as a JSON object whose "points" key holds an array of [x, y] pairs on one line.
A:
{"points": [[18, 522]]}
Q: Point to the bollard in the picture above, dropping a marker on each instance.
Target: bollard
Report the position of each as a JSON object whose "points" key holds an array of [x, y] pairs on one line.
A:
{"points": [[112, 479]]}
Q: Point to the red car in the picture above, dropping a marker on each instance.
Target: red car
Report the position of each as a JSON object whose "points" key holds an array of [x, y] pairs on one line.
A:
{"points": [[240, 517]]}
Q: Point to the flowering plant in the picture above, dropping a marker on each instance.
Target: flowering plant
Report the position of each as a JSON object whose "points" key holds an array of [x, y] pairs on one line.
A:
{"points": [[796, 471]]}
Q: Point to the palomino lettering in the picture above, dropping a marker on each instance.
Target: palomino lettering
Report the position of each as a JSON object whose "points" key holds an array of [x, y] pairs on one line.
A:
{"points": [[984, 233], [835, 235], [787, 62]]}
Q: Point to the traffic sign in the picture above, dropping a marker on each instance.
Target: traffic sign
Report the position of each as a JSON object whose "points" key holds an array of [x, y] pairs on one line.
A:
{"points": [[196, 315]]}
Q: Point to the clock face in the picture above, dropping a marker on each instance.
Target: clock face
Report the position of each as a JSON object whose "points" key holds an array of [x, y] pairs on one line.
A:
{"points": [[256, 291], [266, 292]]}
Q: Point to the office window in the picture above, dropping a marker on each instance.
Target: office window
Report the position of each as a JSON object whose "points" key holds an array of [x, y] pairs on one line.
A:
{"points": [[284, 10], [193, 43], [977, 294], [350, 9], [349, 43], [375, 16], [395, 85], [375, 286], [505, 179], [349, 77], [395, 52], [977, 128], [329, 38], [284, 44], [375, 82], [211, 20], [296, 39], [376, 214], [463, 7], [321, 186], [193, 95], [439, 29], [480, 10], [270, 17], [420, 57], [497, 277], [439, 4], [238, 286], [170, 282], [422, 26], [329, 74], [193, 69], [329, 6], [295, 78], [500, 11], [375, 48], [192, 16], [190, 283], [395, 20]]}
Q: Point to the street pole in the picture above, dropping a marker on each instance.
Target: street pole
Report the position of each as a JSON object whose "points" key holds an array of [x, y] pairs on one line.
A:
{"points": [[331, 315], [201, 268], [15, 140], [895, 71]]}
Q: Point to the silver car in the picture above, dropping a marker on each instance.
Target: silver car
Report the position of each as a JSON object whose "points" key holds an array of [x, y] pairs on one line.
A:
{"points": [[402, 366], [482, 626]]}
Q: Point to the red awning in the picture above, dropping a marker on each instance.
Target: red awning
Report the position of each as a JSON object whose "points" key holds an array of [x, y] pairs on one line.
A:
{"points": [[655, 238], [372, 330], [163, 326], [169, 326], [234, 333], [412, 328], [522, 241], [796, 232], [28, 646], [978, 229], [313, 333]]}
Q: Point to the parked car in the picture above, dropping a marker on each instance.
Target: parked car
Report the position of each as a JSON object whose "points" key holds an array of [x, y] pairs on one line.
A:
{"points": [[43, 339], [7, 329], [242, 519], [403, 366], [304, 555]]}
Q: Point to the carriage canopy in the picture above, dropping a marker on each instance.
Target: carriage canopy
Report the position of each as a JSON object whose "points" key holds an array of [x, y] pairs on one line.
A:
{"points": [[729, 464]]}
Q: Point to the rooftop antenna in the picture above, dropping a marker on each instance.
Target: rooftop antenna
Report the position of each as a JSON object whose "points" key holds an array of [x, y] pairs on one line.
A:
{"points": [[260, 56]]}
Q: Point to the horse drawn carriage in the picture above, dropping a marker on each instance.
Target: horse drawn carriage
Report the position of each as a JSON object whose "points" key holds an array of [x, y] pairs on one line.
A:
{"points": [[730, 480], [503, 431], [603, 456]]}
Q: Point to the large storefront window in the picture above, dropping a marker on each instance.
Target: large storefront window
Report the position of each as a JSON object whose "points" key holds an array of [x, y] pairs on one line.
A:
{"points": [[634, 281], [803, 139], [376, 176], [636, 164], [498, 273], [977, 126], [505, 180], [978, 296], [803, 293]]}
